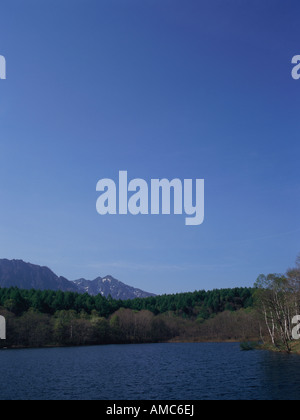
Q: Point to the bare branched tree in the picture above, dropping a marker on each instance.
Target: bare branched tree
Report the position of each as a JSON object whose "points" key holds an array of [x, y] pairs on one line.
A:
{"points": [[278, 300]]}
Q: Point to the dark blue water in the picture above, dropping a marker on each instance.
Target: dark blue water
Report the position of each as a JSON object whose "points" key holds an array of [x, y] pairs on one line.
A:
{"points": [[218, 371]]}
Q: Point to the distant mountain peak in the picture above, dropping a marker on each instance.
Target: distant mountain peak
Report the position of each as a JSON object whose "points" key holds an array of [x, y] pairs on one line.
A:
{"points": [[108, 285], [24, 275]]}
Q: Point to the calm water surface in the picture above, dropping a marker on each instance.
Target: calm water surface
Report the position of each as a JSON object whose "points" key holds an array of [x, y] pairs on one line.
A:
{"points": [[218, 371]]}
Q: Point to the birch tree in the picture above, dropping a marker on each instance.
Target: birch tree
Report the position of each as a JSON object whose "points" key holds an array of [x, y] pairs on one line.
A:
{"points": [[275, 299]]}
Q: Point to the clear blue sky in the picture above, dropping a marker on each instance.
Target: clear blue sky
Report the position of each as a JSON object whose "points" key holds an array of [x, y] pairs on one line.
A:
{"points": [[160, 88]]}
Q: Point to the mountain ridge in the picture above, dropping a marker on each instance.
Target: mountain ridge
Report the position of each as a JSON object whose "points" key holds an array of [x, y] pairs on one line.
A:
{"points": [[108, 285], [25, 275]]}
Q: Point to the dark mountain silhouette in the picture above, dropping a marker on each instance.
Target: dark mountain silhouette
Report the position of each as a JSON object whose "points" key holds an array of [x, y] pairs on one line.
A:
{"points": [[29, 276], [18, 273]]}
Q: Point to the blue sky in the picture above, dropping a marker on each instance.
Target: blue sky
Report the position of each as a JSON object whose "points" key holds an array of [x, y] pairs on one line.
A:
{"points": [[162, 89]]}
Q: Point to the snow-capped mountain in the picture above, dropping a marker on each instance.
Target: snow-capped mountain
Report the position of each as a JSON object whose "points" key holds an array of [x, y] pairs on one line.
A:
{"points": [[17, 273], [110, 286]]}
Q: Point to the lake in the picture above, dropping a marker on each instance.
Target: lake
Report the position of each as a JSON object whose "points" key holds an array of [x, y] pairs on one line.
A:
{"points": [[177, 371]]}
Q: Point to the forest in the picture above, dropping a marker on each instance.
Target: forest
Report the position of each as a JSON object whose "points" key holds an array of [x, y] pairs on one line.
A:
{"points": [[38, 318], [264, 313]]}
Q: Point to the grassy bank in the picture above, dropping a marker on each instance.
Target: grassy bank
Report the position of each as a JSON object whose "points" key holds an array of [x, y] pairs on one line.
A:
{"points": [[294, 347]]}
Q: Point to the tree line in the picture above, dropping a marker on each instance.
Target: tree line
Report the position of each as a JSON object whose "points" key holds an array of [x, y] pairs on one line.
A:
{"points": [[44, 318], [265, 312], [201, 304]]}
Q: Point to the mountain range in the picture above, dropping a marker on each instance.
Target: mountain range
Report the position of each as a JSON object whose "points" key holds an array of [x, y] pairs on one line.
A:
{"points": [[30, 276]]}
